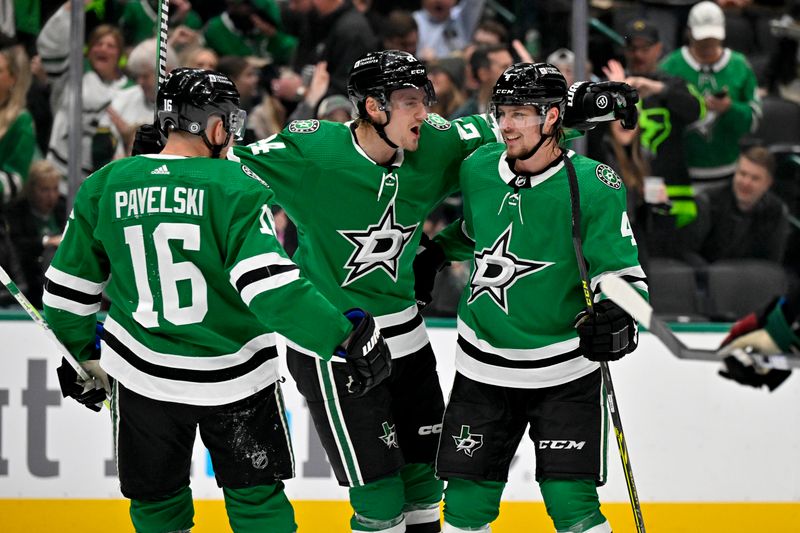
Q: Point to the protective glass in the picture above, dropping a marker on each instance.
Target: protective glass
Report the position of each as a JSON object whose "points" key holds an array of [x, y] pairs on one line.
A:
{"points": [[516, 117], [236, 124]]}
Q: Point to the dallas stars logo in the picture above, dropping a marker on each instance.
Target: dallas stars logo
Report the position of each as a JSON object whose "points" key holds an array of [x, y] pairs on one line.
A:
{"points": [[468, 442], [378, 247], [389, 436], [497, 269]]}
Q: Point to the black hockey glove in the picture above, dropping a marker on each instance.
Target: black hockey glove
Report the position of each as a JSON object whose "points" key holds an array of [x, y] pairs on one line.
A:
{"points": [[148, 140], [608, 334], [742, 368], [92, 392], [367, 353], [428, 262], [589, 103]]}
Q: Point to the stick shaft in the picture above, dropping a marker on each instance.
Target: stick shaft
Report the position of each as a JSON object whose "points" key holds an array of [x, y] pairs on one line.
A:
{"points": [[161, 60], [39, 319]]}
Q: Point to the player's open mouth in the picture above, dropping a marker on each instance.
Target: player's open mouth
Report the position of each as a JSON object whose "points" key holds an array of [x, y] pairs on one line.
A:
{"points": [[415, 130]]}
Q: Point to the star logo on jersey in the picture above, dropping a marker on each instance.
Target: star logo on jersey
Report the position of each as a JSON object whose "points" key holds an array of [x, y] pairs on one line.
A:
{"points": [[497, 269], [389, 436], [378, 247], [607, 175], [467, 442]]}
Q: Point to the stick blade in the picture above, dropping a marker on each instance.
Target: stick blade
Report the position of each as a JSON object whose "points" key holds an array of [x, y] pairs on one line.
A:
{"points": [[625, 296]]}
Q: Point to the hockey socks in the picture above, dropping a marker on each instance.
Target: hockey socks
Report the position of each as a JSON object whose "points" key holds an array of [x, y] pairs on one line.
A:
{"points": [[573, 505], [259, 509], [173, 513], [471, 505], [378, 506], [423, 494]]}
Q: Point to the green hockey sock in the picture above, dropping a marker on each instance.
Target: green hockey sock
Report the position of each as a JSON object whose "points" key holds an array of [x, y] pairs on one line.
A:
{"points": [[423, 496], [572, 504], [378, 505], [173, 513], [259, 509], [471, 504]]}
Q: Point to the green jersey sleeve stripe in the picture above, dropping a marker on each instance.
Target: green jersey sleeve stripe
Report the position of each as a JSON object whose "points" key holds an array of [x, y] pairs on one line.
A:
{"points": [[65, 304], [75, 282]]}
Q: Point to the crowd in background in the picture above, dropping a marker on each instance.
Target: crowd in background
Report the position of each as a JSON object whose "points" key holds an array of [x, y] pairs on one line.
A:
{"points": [[712, 170]]}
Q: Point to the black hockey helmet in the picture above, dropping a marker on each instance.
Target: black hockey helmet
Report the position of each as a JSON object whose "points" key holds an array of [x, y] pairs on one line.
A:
{"points": [[378, 74], [536, 84], [190, 96]]}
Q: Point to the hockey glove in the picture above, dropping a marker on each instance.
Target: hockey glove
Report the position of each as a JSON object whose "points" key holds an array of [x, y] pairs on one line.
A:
{"points": [[589, 103], [92, 392], [148, 140], [427, 263], [768, 334], [607, 334], [367, 353]]}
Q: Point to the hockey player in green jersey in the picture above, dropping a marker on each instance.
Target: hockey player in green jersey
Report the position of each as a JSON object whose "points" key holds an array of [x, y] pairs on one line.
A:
{"points": [[184, 245], [527, 351]]}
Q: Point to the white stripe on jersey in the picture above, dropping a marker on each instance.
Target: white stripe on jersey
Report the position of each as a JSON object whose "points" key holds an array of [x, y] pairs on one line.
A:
{"points": [[522, 378], [217, 362], [267, 284], [258, 261], [634, 271], [59, 302], [399, 345], [74, 282]]}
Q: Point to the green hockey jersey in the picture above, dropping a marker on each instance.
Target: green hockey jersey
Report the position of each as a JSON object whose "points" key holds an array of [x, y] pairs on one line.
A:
{"points": [[185, 249], [712, 143], [359, 223], [516, 315]]}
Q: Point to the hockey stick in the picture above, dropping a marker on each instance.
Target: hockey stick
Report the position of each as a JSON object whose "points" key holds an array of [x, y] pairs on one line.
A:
{"points": [[611, 396], [39, 319], [161, 60], [632, 302]]}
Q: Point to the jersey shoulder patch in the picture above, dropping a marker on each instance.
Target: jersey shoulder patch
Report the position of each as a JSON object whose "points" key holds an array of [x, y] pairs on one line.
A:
{"points": [[249, 172], [607, 175], [438, 122], [304, 126]]}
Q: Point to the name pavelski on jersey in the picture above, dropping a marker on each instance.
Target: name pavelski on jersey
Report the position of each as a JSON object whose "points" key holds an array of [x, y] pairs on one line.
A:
{"points": [[377, 247], [497, 269]]}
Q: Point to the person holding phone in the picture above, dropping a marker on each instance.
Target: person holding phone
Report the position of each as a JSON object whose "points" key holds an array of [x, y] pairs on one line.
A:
{"points": [[728, 85]]}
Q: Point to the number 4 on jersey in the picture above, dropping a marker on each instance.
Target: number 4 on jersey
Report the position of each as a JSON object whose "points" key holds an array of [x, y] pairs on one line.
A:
{"points": [[625, 228]]}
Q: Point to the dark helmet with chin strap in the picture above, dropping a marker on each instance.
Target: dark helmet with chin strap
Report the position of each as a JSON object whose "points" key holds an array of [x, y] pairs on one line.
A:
{"points": [[379, 74], [540, 85], [189, 97]]}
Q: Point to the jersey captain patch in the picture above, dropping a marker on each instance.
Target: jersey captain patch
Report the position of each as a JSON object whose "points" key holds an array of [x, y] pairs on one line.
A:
{"points": [[497, 269], [377, 247], [607, 175], [304, 126]]}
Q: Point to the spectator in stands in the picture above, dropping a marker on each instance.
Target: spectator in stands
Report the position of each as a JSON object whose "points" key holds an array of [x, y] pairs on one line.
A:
{"points": [[100, 84], [490, 32], [336, 108], [250, 28], [36, 223], [17, 137], [400, 32], [742, 219], [564, 60], [139, 20], [134, 106], [312, 94], [487, 64], [446, 28], [729, 87], [668, 107], [447, 76], [9, 260], [204, 58]]}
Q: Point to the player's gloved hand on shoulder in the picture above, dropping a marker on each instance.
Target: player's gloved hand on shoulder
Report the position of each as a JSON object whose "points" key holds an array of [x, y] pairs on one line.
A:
{"points": [[92, 392], [767, 333], [428, 262], [589, 103], [367, 353], [607, 334], [148, 140]]}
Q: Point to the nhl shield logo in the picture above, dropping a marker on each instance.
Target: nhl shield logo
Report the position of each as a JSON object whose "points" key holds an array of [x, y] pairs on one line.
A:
{"points": [[304, 126], [607, 175], [438, 122]]}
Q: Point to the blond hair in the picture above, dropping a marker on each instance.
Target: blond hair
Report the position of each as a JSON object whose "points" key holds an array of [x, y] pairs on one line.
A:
{"points": [[40, 171], [19, 69]]}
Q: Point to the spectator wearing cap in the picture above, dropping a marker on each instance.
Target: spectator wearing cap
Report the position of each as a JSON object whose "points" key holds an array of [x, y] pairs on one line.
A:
{"points": [[250, 28], [446, 28], [447, 77], [668, 106], [729, 88], [335, 108], [564, 60], [742, 219], [487, 64]]}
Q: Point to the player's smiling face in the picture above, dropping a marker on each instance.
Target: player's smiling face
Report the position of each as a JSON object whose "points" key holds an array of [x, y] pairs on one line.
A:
{"points": [[520, 128], [407, 112]]}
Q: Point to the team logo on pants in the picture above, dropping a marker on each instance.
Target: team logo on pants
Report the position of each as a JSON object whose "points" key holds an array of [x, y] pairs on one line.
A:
{"points": [[468, 442], [389, 436]]}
